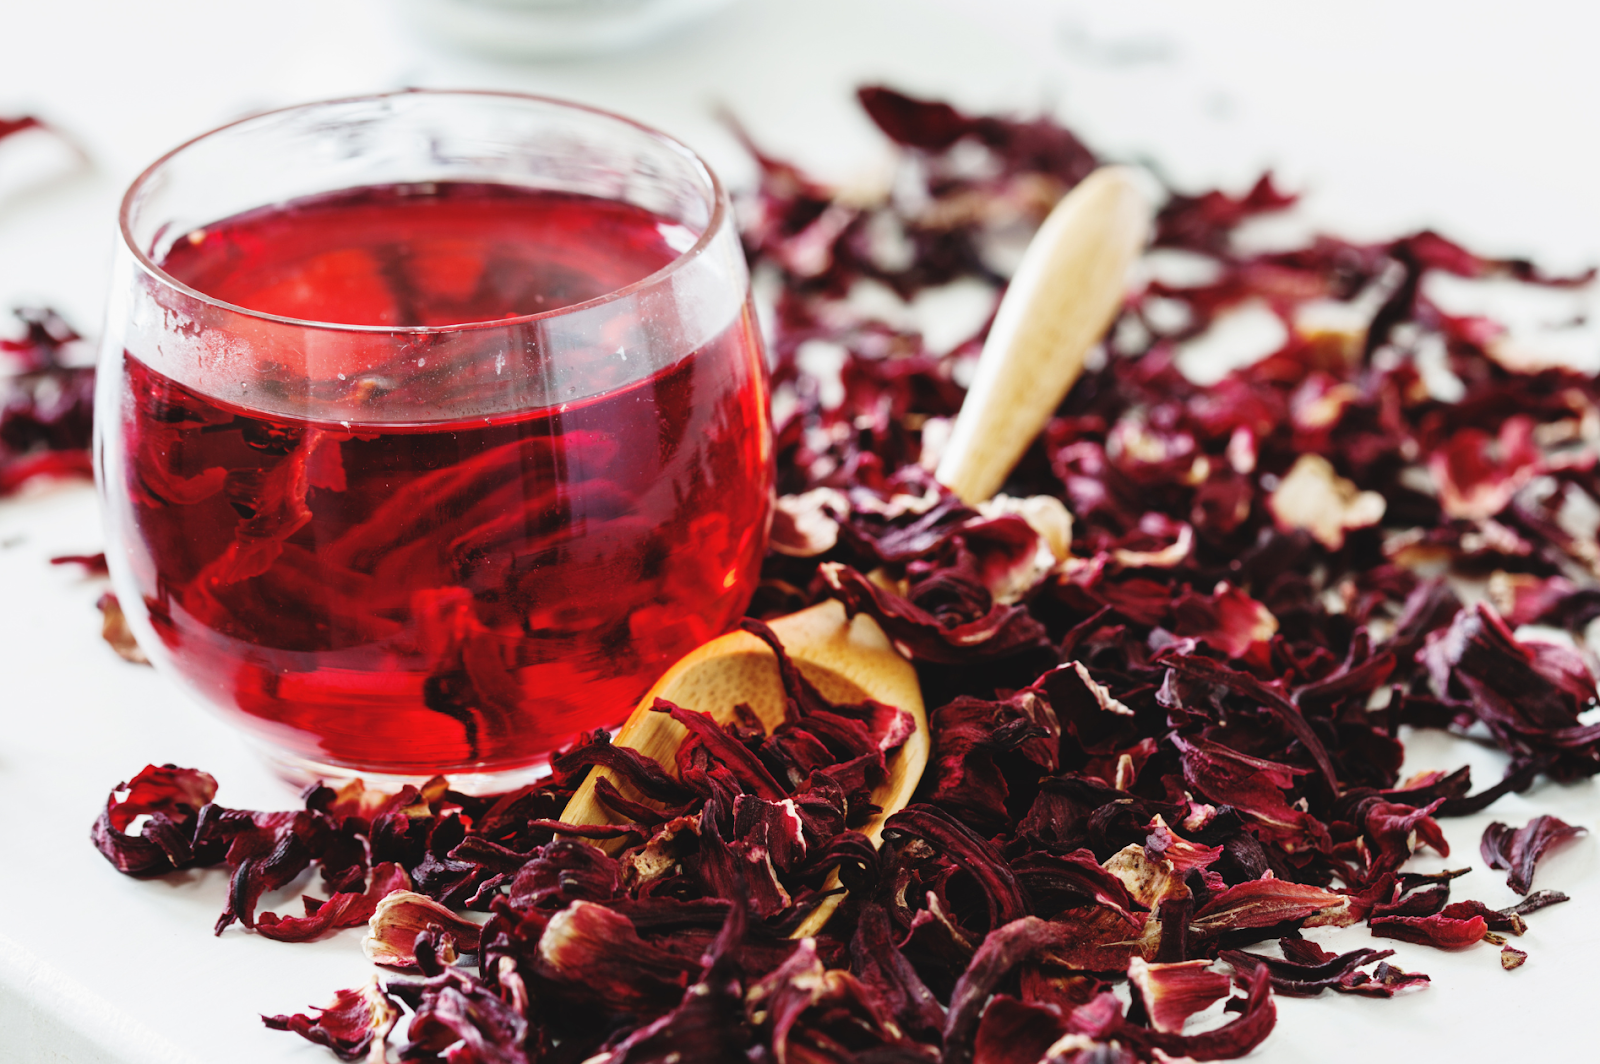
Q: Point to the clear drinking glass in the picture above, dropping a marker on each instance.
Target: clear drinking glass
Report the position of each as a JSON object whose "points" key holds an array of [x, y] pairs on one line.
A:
{"points": [[432, 427]]}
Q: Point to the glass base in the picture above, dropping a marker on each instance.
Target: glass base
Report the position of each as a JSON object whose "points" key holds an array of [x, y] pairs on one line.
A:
{"points": [[302, 772]]}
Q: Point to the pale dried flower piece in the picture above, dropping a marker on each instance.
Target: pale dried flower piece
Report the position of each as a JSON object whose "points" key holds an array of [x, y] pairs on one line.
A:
{"points": [[1045, 514], [1316, 498], [1147, 880], [804, 526], [115, 631], [402, 916], [1100, 692], [1167, 557]]}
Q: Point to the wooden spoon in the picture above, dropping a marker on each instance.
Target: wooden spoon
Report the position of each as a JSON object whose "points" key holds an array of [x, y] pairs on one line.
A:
{"points": [[1064, 294]]}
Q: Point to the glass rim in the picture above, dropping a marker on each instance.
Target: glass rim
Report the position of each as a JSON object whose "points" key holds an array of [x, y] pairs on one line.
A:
{"points": [[714, 224]]}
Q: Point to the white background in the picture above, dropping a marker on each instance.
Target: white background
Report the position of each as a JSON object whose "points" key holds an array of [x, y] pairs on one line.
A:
{"points": [[1478, 118]]}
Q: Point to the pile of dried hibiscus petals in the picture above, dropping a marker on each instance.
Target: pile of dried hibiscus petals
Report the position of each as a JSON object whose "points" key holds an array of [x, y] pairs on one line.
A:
{"points": [[46, 401], [46, 425], [1164, 726]]}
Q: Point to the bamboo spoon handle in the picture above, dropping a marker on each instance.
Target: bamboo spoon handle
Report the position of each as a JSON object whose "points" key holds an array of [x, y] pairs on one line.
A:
{"points": [[1065, 293]]}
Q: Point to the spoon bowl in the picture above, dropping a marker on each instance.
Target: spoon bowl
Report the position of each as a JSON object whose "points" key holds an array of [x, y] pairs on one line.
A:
{"points": [[847, 660]]}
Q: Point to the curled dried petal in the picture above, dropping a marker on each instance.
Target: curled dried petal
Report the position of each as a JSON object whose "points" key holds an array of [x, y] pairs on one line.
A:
{"points": [[1313, 496], [1519, 849], [171, 797], [589, 945], [355, 1024], [1265, 903], [1174, 992], [806, 525], [1438, 930], [340, 911], [400, 916]]}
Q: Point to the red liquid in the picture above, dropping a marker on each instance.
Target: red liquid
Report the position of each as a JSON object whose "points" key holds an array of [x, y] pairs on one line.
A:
{"points": [[472, 592]]}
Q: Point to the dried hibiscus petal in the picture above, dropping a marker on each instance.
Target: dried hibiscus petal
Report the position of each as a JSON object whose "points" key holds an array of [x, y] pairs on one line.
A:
{"points": [[1494, 919], [734, 755], [171, 799], [1316, 498], [92, 564], [400, 915], [1392, 830], [1438, 930], [802, 1003], [973, 739], [1002, 951], [458, 1016], [1257, 1016], [806, 525], [339, 911], [963, 622], [705, 1025], [881, 966], [1310, 975], [265, 852], [46, 408], [968, 852], [1017, 1032], [586, 944], [1171, 993], [1519, 849], [1385, 981], [1204, 222], [1529, 701], [1539, 899], [1267, 903], [355, 1024]]}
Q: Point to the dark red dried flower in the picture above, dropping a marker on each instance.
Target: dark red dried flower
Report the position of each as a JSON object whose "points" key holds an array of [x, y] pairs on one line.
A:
{"points": [[341, 910], [1171, 993], [8, 126], [92, 564], [1519, 849], [1539, 899], [1267, 903], [172, 800], [1528, 695], [355, 1024], [46, 405], [947, 618], [1306, 970], [1439, 930]]}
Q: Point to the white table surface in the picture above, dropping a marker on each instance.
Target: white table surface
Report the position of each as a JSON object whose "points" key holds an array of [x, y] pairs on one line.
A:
{"points": [[1477, 118]]}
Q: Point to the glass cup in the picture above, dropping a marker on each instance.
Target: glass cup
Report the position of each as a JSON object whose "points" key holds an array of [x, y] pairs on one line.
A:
{"points": [[455, 526]]}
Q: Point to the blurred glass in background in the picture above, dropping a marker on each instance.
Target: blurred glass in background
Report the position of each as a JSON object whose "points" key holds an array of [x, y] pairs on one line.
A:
{"points": [[555, 29]]}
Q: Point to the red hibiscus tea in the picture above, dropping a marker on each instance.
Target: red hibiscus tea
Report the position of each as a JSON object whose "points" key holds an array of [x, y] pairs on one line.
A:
{"points": [[416, 544]]}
